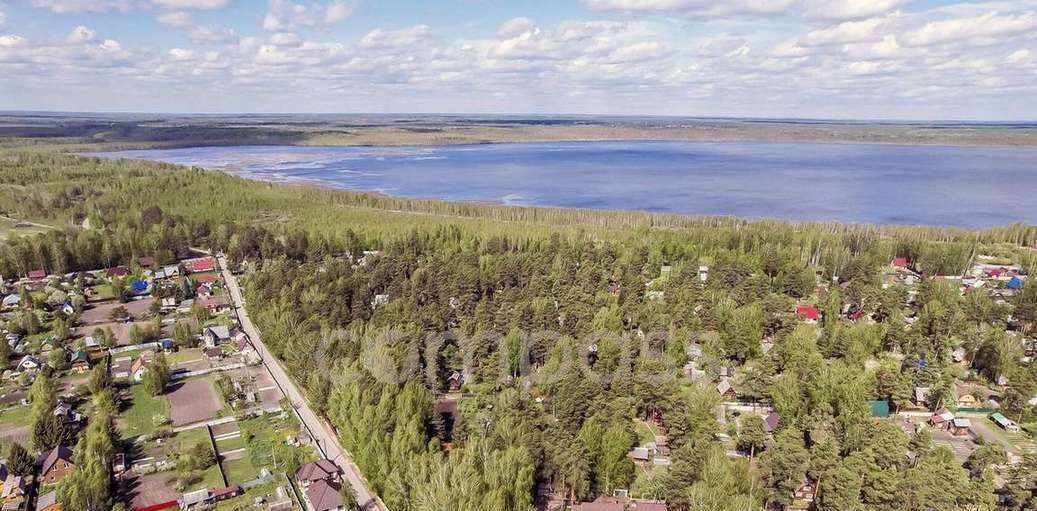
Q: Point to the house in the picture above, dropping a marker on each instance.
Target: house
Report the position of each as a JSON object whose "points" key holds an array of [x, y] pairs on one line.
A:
{"points": [[641, 455], [601, 504], [921, 396], [770, 423], [964, 397], [167, 345], [1004, 422], [12, 300], [66, 413], [169, 304], [146, 262], [960, 426], [215, 335], [57, 463], [214, 354], [118, 271], [203, 291], [808, 313], [941, 419], [171, 271], [455, 382], [200, 265], [36, 275], [899, 262], [647, 505], [319, 470], [48, 502], [120, 367], [195, 498], [214, 304], [380, 300], [725, 389], [324, 495], [226, 493], [138, 369], [80, 362], [29, 363], [14, 489]]}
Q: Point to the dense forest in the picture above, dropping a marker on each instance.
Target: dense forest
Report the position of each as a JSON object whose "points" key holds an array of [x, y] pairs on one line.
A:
{"points": [[569, 327]]}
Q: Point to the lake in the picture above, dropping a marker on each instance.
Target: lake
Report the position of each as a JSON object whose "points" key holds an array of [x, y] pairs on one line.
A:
{"points": [[872, 183]]}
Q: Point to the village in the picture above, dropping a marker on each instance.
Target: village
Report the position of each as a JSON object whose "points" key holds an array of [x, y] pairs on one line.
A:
{"points": [[219, 434]]}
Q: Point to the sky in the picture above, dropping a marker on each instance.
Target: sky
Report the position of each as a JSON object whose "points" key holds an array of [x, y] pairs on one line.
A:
{"points": [[847, 59]]}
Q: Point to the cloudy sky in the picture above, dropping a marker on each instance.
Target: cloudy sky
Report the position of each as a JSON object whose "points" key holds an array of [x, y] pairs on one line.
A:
{"points": [[889, 59]]}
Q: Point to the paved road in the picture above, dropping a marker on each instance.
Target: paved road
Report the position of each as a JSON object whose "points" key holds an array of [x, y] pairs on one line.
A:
{"points": [[321, 432]]}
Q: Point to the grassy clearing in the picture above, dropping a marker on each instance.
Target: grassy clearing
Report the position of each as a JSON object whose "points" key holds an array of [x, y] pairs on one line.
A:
{"points": [[231, 444], [16, 416], [12, 227], [240, 471], [141, 416]]}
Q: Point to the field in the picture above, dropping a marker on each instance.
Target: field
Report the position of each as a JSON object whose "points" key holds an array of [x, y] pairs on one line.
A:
{"points": [[140, 417], [11, 227], [194, 401], [100, 313]]}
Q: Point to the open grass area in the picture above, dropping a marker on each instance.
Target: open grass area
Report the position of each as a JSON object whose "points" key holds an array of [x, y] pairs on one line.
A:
{"points": [[231, 444], [240, 471], [141, 416], [16, 416], [12, 227], [644, 432]]}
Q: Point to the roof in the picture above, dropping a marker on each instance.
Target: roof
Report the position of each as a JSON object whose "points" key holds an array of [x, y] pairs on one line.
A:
{"points": [[648, 506], [317, 470], [228, 491], [58, 453], [880, 408], [37, 274], [324, 495], [1000, 419], [146, 261], [899, 262], [12, 300], [46, 500], [599, 505], [200, 265], [219, 331], [770, 423], [118, 271], [137, 365], [808, 312], [195, 497], [960, 422]]}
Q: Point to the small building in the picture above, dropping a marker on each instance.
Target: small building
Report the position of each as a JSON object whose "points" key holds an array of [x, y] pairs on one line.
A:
{"points": [[725, 389], [771, 422], [195, 498], [601, 504], [204, 264], [921, 396], [226, 493], [36, 274], [29, 363], [320, 470], [80, 362], [139, 367], [214, 336], [808, 313], [899, 262], [324, 496], [14, 488], [1004, 422], [57, 463], [455, 382], [118, 271], [120, 368], [960, 426], [941, 419], [214, 354], [48, 502]]}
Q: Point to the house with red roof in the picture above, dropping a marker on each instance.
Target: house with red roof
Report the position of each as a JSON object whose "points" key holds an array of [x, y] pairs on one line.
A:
{"points": [[899, 262], [200, 265], [37, 275], [808, 313], [320, 470]]}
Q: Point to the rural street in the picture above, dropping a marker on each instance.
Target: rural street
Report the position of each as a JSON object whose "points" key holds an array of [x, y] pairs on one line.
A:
{"points": [[321, 432]]}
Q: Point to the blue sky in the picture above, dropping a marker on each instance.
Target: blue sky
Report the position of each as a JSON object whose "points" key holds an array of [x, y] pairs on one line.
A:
{"points": [[892, 59]]}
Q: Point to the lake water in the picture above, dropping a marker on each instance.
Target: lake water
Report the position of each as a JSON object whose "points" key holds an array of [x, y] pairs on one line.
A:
{"points": [[890, 184]]}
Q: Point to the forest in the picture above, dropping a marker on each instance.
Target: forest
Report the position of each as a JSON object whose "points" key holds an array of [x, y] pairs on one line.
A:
{"points": [[569, 328]]}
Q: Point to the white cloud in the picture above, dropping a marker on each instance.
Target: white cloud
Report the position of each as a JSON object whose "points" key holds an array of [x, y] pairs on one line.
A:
{"points": [[379, 38], [76, 6], [181, 54], [197, 32], [284, 39], [81, 34], [515, 27], [1018, 57], [982, 28], [849, 32], [192, 4], [337, 11], [10, 41], [286, 15], [848, 9]]}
